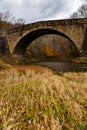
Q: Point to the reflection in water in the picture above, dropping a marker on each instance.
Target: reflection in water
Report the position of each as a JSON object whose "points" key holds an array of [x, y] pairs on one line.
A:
{"points": [[64, 66]]}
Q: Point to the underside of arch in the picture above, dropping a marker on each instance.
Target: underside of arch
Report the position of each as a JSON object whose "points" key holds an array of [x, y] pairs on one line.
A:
{"points": [[22, 45]]}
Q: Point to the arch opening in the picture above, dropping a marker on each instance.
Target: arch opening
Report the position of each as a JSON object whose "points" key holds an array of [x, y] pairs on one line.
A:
{"points": [[22, 45]]}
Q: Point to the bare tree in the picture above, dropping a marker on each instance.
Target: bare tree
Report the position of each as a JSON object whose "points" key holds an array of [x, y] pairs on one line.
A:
{"points": [[74, 15], [20, 21], [1, 16], [81, 12], [8, 17], [7, 20]]}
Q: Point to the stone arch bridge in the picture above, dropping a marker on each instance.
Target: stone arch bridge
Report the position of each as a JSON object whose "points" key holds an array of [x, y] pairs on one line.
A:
{"points": [[73, 29]]}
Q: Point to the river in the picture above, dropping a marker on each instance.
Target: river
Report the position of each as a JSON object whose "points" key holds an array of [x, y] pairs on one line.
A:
{"points": [[63, 66]]}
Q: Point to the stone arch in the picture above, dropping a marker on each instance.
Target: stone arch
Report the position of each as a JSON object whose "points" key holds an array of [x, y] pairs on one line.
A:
{"points": [[23, 43]]}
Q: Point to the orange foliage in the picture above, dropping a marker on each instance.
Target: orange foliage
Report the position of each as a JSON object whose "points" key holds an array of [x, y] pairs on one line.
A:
{"points": [[50, 52]]}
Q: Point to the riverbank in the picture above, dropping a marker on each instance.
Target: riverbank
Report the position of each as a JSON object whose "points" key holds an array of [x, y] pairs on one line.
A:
{"points": [[18, 60], [74, 65]]}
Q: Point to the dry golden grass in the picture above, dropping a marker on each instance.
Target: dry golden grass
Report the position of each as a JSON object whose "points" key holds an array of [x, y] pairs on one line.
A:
{"points": [[32, 100]]}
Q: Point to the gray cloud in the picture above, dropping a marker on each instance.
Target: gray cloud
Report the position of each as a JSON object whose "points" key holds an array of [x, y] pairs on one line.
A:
{"points": [[37, 10]]}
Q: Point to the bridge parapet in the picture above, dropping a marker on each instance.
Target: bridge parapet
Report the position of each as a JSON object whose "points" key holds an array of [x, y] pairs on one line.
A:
{"points": [[79, 22]]}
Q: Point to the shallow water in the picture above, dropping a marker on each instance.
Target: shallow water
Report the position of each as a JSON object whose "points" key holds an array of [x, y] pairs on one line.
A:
{"points": [[64, 66]]}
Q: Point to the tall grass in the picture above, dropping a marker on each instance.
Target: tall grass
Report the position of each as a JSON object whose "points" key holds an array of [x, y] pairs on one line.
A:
{"points": [[42, 101]]}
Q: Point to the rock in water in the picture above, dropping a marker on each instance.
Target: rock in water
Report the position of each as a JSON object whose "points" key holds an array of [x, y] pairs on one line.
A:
{"points": [[4, 47]]}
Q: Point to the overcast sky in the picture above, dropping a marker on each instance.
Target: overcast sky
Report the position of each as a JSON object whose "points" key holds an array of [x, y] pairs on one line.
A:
{"points": [[38, 10]]}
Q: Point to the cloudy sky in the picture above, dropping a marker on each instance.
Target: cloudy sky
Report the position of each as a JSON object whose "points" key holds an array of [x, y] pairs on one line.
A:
{"points": [[38, 10]]}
